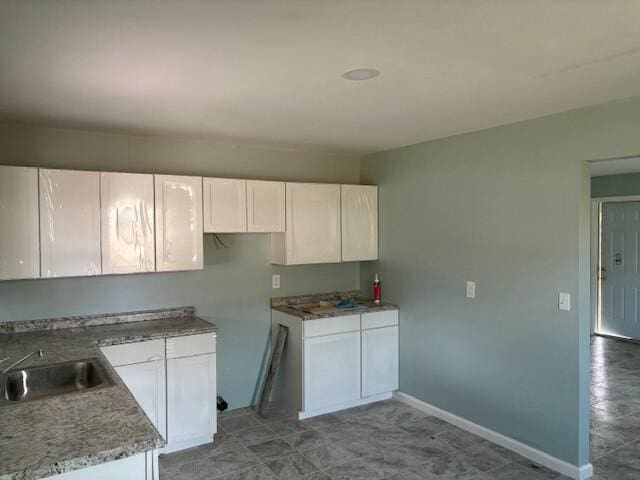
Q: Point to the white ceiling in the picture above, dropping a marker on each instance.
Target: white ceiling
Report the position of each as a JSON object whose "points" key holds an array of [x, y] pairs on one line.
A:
{"points": [[269, 72]]}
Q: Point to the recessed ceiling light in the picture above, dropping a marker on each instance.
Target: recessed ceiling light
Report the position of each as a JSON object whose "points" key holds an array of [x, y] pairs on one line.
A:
{"points": [[361, 74]]}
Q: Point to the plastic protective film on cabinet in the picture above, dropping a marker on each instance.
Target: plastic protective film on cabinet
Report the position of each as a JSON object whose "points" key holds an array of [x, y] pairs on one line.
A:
{"points": [[70, 223]]}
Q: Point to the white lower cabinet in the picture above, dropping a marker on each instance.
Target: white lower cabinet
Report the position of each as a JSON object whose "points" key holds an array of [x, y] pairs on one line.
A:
{"points": [[331, 370], [142, 466], [338, 362], [191, 401], [379, 360], [147, 383], [174, 382]]}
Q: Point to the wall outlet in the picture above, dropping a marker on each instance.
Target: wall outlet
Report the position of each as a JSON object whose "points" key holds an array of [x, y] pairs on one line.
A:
{"points": [[564, 301], [471, 289], [275, 281]]}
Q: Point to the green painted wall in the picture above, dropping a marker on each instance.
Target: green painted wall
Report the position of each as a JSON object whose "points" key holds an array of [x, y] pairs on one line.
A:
{"points": [[615, 185], [234, 288], [508, 208]]}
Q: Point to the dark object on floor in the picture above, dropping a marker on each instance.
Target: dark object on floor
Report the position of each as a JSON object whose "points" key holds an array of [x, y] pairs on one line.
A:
{"points": [[274, 366], [222, 404]]}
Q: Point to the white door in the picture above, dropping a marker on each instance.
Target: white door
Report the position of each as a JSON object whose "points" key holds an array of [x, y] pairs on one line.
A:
{"points": [[147, 383], [69, 223], [359, 222], [379, 361], [313, 223], [225, 205], [128, 238], [178, 223], [191, 401], [19, 235], [620, 278], [265, 206], [331, 370]]}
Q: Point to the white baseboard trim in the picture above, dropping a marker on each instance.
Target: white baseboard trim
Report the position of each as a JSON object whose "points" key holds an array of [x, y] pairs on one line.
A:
{"points": [[583, 472], [334, 408]]}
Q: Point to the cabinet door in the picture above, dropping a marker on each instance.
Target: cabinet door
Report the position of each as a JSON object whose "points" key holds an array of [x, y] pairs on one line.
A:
{"points": [[70, 223], [127, 223], [313, 223], [359, 222], [147, 383], [191, 401], [178, 223], [225, 205], [129, 468], [379, 360], [265, 206], [331, 370], [19, 235]]}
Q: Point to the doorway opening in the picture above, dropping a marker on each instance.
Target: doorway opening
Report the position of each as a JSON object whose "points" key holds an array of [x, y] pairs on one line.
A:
{"points": [[615, 260], [615, 316]]}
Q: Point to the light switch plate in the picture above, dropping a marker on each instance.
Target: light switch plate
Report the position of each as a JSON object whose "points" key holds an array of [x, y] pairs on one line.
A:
{"points": [[275, 281], [564, 301], [471, 289]]}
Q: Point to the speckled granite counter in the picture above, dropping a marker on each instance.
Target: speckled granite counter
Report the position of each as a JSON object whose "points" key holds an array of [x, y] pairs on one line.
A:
{"points": [[295, 305], [71, 431]]}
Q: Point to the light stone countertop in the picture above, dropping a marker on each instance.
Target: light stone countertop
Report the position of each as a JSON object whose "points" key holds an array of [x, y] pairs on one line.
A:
{"points": [[293, 305], [76, 430]]}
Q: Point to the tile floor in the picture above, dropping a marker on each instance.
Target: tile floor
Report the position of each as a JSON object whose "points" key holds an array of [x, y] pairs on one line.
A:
{"points": [[385, 440], [391, 441], [615, 409]]}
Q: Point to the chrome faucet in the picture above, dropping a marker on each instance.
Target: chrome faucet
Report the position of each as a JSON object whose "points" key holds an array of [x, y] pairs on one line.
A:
{"points": [[15, 364]]}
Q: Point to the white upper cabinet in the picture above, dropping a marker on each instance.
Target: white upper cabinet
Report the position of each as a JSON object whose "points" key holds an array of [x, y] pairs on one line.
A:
{"points": [[127, 223], [265, 206], [69, 223], [313, 225], [225, 205], [19, 244], [178, 223], [359, 222]]}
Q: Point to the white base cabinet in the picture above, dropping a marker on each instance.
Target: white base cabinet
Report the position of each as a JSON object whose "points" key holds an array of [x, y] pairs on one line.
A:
{"points": [[174, 382], [337, 362], [143, 466], [331, 370], [379, 361], [191, 401], [147, 383]]}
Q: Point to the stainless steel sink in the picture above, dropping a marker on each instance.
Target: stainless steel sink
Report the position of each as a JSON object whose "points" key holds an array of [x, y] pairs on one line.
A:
{"points": [[36, 383]]}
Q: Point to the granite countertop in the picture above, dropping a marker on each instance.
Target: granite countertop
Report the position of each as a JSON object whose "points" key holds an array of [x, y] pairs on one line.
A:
{"points": [[76, 430], [295, 305]]}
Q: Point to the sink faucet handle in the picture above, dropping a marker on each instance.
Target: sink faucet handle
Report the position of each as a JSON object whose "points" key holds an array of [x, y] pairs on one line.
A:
{"points": [[15, 364]]}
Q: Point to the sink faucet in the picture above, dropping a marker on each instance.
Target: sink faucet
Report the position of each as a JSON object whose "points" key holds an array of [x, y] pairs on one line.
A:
{"points": [[15, 364]]}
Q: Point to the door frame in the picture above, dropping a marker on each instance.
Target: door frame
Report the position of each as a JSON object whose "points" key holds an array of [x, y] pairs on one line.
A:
{"points": [[596, 240]]}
